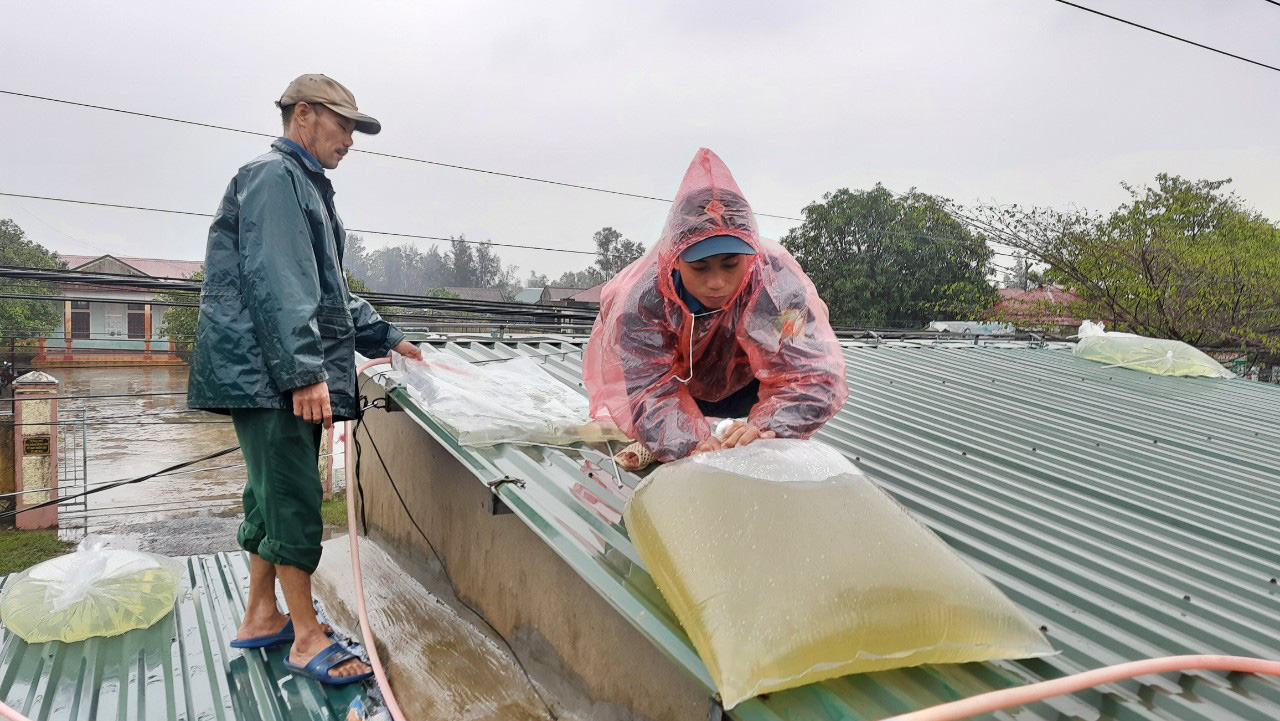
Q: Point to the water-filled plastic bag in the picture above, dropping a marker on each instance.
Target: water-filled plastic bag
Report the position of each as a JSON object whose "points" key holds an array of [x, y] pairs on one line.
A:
{"points": [[511, 401], [95, 591], [1152, 355], [786, 566]]}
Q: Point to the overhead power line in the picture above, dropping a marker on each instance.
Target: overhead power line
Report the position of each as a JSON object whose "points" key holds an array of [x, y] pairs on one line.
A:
{"points": [[400, 235], [393, 156], [1170, 36], [351, 230]]}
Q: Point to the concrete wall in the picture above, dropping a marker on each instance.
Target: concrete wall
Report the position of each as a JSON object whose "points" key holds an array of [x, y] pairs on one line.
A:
{"points": [[558, 625]]}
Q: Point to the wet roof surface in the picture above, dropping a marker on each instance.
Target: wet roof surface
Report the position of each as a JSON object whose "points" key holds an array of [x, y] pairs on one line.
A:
{"points": [[1131, 515], [181, 668]]}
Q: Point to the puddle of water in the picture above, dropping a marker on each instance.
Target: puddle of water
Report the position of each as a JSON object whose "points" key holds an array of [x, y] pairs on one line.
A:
{"points": [[440, 665]]}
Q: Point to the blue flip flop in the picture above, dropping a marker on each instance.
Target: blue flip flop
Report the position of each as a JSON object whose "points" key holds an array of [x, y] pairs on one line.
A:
{"points": [[284, 635], [318, 667]]}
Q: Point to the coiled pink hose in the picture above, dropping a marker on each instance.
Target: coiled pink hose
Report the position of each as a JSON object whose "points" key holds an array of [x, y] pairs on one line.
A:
{"points": [[1004, 698], [365, 632]]}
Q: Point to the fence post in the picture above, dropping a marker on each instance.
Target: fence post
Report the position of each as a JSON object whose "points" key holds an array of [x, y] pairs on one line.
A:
{"points": [[35, 444]]}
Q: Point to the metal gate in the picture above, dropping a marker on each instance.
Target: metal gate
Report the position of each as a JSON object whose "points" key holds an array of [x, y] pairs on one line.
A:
{"points": [[73, 473]]}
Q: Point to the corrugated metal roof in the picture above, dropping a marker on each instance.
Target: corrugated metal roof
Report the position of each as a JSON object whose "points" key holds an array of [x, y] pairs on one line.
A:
{"points": [[182, 668], [1132, 515]]}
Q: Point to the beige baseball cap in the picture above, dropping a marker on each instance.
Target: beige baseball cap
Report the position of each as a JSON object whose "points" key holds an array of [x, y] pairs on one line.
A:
{"points": [[326, 91]]}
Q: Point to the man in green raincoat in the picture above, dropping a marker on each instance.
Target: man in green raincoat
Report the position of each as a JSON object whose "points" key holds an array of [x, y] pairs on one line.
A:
{"points": [[275, 349]]}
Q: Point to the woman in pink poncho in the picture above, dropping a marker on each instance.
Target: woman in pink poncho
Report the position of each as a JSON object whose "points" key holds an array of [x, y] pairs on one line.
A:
{"points": [[713, 322]]}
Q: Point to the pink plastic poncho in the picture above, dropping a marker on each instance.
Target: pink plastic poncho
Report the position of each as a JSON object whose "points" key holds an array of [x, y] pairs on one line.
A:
{"points": [[643, 371]]}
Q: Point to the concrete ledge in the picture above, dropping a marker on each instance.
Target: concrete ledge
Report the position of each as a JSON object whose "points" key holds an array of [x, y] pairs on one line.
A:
{"points": [[577, 647]]}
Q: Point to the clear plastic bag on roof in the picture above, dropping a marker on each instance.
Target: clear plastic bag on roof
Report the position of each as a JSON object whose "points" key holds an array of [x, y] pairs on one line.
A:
{"points": [[95, 591], [1153, 355], [787, 566], [512, 401]]}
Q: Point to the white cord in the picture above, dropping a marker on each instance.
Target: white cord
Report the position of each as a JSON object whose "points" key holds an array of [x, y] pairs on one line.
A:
{"points": [[693, 319]]}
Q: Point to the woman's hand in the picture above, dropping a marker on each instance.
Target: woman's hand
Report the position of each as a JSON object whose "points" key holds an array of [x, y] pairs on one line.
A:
{"points": [[709, 444], [741, 434]]}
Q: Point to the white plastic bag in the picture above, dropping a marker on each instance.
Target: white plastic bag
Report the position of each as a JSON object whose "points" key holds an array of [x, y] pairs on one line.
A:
{"points": [[95, 591], [1152, 355], [510, 401]]}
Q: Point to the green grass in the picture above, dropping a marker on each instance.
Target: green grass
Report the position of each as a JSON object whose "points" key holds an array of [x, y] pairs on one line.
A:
{"points": [[334, 510], [20, 550]]}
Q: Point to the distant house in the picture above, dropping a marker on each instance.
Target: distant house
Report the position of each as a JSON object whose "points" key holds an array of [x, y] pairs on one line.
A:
{"points": [[588, 298], [1045, 309], [485, 294], [552, 295], [95, 331], [529, 295]]}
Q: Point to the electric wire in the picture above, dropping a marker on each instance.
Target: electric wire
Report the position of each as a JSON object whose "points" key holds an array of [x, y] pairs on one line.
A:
{"points": [[113, 423], [121, 206], [896, 233], [452, 166], [95, 397], [1168, 35], [66, 499]]}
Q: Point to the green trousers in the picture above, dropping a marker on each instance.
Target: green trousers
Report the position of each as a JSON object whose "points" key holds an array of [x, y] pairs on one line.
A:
{"points": [[282, 522]]}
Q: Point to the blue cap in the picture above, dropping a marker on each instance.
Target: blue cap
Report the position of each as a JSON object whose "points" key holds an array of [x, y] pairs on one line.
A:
{"points": [[716, 245]]}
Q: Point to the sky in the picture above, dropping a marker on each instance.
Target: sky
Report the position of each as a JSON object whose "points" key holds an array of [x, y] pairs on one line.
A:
{"points": [[1011, 101]]}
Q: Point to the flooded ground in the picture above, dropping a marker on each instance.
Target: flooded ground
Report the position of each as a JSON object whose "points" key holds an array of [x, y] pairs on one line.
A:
{"points": [[192, 511]]}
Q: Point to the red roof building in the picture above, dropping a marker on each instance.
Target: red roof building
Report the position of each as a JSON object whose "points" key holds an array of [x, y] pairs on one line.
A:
{"points": [[1044, 308]]}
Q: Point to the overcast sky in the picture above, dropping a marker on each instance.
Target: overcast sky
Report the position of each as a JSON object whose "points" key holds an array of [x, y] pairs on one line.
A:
{"points": [[1017, 101]]}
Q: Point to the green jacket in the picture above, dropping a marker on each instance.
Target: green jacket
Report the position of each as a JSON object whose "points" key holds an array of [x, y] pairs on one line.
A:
{"points": [[275, 312]]}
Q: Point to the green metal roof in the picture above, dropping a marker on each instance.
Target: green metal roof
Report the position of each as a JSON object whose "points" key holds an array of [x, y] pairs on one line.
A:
{"points": [[1132, 515], [182, 668]]}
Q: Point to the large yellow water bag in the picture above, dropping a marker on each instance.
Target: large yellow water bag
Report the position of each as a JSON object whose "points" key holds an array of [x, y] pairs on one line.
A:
{"points": [[787, 566]]}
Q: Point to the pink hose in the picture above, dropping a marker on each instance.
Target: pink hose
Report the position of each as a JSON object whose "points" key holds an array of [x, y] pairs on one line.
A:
{"points": [[10, 715], [1004, 698], [365, 631]]}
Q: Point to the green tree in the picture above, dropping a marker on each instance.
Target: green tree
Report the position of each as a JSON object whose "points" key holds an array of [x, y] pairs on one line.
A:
{"points": [[1182, 259], [1024, 275], [883, 260], [614, 252], [357, 286], [586, 278], [26, 318], [355, 257], [180, 321]]}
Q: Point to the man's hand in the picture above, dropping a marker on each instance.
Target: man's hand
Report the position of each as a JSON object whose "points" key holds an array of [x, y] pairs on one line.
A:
{"points": [[408, 350], [741, 434], [311, 404]]}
